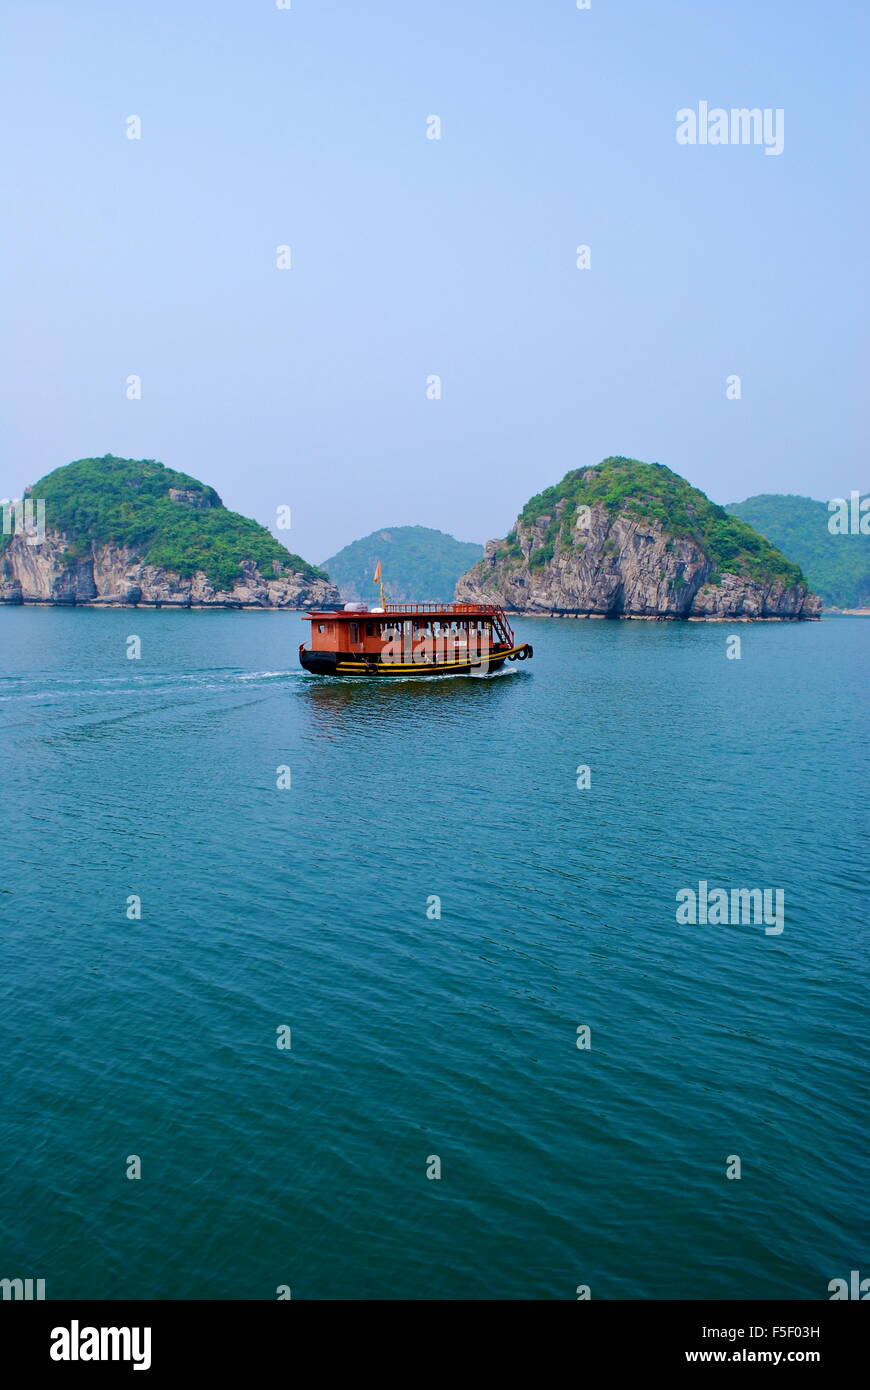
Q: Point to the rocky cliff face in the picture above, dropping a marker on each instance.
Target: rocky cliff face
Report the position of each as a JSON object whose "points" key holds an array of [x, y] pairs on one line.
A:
{"points": [[619, 566], [107, 574]]}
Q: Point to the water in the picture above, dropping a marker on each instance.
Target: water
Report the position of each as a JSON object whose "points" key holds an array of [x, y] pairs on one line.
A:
{"points": [[414, 1036]]}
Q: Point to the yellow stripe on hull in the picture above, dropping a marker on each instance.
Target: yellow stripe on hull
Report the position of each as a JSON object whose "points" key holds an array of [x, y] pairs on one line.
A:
{"points": [[388, 668]]}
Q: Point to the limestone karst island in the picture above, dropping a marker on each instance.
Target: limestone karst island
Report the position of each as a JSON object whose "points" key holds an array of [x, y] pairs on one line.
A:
{"points": [[634, 540], [126, 531]]}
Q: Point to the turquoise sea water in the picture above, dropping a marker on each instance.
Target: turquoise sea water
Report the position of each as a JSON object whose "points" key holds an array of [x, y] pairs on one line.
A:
{"points": [[415, 1036]]}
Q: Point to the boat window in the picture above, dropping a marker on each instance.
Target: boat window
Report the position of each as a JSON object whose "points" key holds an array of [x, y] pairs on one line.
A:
{"points": [[370, 627], [321, 627]]}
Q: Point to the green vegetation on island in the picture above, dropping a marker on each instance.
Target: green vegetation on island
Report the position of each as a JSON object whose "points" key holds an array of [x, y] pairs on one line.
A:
{"points": [[837, 566], [652, 492], [418, 564], [129, 503]]}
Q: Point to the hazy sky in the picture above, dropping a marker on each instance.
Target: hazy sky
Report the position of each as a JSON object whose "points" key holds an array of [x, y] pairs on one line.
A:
{"points": [[306, 127]]}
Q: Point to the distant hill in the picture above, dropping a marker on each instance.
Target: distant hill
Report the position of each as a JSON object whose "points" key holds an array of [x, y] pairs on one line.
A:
{"points": [[626, 539], [836, 567], [132, 531], [417, 564]]}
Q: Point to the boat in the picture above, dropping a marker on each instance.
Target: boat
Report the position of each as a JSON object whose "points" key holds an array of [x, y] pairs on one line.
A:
{"points": [[410, 639], [417, 639]]}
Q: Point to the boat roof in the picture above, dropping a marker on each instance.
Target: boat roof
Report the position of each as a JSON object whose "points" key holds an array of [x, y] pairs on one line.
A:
{"points": [[410, 610]]}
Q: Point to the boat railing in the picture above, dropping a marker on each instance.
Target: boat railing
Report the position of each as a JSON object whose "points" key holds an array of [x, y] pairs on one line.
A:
{"points": [[441, 608], [453, 610]]}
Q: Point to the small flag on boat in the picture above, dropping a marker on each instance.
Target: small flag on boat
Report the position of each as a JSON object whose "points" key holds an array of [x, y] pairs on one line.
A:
{"points": [[377, 575]]}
